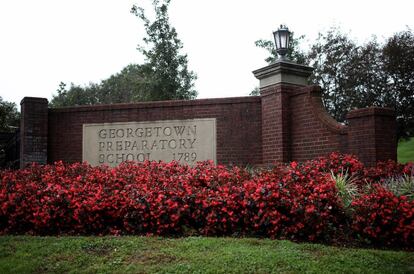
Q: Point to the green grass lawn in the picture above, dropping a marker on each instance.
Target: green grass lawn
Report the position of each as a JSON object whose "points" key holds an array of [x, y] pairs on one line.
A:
{"points": [[406, 151], [26, 254]]}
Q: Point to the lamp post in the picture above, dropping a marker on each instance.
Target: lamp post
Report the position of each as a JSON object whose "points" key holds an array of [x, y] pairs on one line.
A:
{"points": [[281, 37]]}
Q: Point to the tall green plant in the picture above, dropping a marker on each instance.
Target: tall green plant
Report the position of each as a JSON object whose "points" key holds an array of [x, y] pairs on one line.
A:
{"points": [[166, 68], [9, 116], [401, 186], [346, 186], [163, 76]]}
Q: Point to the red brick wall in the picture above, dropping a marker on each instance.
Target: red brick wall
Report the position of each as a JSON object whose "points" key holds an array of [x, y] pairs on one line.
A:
{"points": [[313, 131], [297, 127], [287, 122], [238, 125], [372, 134], [33, 131]]}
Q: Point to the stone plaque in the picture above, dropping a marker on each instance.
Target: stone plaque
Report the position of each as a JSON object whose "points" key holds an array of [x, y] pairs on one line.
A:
{"points": [[186, 141]]}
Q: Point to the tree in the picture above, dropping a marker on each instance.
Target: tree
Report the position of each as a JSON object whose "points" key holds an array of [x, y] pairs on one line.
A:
{"points": [[366, 76], [372, 74], [9, 116], [123, 87], [398, 56], [333, 57], [164, 75], [74, 96], [255, 92], [166, 69]]}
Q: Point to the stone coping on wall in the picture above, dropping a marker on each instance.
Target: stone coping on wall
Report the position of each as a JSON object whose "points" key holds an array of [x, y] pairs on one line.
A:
{"points": [[378, 111], [33, 99], [152, 104]]}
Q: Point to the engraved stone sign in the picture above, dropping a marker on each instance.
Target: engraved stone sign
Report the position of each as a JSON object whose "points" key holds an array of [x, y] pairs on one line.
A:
{"points": [[186, 141]]}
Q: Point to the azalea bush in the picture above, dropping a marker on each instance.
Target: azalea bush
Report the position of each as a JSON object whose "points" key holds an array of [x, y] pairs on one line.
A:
{"points": [[299, 201]]}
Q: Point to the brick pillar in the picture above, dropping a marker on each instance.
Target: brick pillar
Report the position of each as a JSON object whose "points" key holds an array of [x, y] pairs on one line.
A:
{"points": [[33, 131], [277, 82], [275, 124], [372, 134]]}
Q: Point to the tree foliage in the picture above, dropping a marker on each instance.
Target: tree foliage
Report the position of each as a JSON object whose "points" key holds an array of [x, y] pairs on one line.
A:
{"points": [[334, 57], [125, 86], [167, 69], [357, 76], [398, 56], [163, 76], [9, 116]]}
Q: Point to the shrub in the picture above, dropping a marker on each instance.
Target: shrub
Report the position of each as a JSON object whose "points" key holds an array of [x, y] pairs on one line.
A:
{"points": [[381, 217], [295, 202], [385, 170], [339, 163], [300, 201]]}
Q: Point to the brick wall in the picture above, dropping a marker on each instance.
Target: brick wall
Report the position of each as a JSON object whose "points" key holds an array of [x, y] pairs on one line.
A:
{"points": [[287, 122], [33, 131], [371, 134], [238, 125], [314, 132]]}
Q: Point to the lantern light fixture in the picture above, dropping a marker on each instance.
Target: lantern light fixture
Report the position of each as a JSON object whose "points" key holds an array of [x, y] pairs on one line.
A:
{"points": [[281, 37]]}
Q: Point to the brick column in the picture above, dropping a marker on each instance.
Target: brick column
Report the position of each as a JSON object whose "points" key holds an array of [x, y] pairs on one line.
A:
{"points": [[33, 131], [275, 124], [372, 134], [278, 82]]}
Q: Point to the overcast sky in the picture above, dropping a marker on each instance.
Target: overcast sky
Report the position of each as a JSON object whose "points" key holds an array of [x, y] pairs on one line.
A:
{"points": [[44, 42]]}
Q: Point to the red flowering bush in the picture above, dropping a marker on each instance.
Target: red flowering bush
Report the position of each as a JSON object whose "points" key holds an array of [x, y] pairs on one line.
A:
{"points": [[383, 218], [133, 198], [336, 163], [296, 201], [340, 164], [385, 170]]}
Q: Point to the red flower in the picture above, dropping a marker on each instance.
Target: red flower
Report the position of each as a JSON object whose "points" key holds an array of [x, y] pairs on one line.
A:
{"points": [[297, 201]]}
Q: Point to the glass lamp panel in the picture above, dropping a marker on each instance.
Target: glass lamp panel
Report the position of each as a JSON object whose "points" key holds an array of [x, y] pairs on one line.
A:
{"points": [[287, 39], [276, 36], [283, 41]]}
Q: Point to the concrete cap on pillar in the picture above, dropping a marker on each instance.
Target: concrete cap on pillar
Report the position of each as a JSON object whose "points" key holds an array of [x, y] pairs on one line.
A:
{"points": [[283, 71], [33, 100]]}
